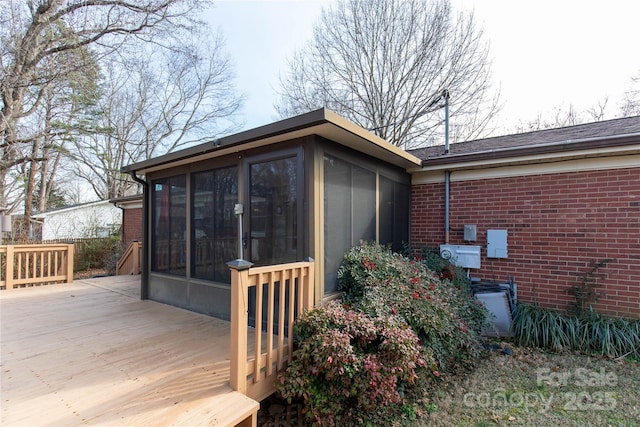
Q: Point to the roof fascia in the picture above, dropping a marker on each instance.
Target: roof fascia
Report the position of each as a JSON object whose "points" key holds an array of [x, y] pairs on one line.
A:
{"points": [[322, 122], [614, 144], [530, 159]]}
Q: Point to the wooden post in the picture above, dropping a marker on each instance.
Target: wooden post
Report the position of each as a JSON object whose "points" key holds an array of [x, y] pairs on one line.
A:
{"points": [[309, 288], [70, 263], [8, 284], [239, 322], [135, 268]]}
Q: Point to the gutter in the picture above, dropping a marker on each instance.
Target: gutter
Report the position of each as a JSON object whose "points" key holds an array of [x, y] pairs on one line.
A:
{"points": [[144, 277]]}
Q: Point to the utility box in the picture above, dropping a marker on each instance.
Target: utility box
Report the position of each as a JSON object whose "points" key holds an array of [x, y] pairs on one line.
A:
{"points": [[497, 244], [465, 256], [470, 233]]}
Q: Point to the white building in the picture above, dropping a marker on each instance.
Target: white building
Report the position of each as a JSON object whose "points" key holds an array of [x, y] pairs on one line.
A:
{"points": [[94, 219]]}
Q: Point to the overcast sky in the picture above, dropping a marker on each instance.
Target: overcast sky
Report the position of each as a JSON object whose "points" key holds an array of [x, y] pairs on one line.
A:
{"points": [[545, 53]]}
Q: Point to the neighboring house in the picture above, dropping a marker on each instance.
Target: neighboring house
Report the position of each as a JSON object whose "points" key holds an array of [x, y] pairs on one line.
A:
{"points": [[94, 219], [316, 184], [563, 198], [131, 218]]}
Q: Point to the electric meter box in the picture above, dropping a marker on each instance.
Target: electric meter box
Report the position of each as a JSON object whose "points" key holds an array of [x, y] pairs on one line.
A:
{"points": [[465, 256]]}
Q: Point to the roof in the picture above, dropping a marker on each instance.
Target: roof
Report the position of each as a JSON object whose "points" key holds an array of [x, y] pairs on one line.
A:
{"points": [[322, 122], [624, 131], [128, 202], [80, 206]]}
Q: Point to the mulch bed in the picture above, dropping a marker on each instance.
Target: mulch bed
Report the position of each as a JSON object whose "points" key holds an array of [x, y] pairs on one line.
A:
{"points": [[276, 412]]}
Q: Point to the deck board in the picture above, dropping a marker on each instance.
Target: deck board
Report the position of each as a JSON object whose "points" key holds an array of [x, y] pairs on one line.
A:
{"points": [[92, 353]]}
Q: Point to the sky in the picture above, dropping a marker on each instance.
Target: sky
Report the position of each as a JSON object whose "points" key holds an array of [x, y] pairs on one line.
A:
{"points": [[546, 54]]}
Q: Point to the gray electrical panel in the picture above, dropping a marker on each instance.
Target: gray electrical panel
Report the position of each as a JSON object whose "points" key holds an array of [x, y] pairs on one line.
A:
{"points": [[497, 244]]}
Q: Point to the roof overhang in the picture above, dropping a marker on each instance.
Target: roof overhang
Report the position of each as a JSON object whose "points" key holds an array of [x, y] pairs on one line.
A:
{"points": [[128, 202], [321, 122], [617, 145]]}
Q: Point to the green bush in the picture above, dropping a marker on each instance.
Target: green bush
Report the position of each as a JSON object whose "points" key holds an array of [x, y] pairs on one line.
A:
{"points": [[444, 315], [351, 368], [99, 253], [534, 326]]}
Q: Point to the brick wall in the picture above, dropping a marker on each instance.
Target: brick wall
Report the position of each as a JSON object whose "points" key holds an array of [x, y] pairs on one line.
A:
{"points": [[131, 225], [558, 225]]}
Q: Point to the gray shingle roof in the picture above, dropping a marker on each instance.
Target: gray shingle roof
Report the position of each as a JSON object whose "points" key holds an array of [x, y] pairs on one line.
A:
{"points": [[603, 129]]}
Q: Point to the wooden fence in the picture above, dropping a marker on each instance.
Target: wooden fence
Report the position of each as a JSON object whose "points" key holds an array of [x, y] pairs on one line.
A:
{"points": [[33, 265], [265, 302]]}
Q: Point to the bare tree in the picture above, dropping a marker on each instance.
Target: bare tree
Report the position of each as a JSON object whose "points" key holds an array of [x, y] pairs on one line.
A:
{"points": [[562, 116], [631, 102], [386, 64], [35, 34], [153, 103], [559, 117], [54, 123]]}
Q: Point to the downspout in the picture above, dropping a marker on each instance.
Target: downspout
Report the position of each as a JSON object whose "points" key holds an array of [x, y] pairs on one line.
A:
{"points": [[144, 277], [447, 173]]}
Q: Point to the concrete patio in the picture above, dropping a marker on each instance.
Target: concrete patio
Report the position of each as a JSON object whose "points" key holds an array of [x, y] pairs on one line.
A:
{"points": [[92, 353]]}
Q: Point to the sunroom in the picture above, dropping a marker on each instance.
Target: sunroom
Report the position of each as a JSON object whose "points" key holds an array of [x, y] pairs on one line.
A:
{"points": [[308, 187]]}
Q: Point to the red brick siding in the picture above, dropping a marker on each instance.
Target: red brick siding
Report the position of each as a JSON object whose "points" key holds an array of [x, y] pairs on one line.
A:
{"points": [[131, 225], [558, 224]]}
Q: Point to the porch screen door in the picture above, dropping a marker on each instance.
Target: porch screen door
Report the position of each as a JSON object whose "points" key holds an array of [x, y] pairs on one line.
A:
{"points": [[273, 235]]}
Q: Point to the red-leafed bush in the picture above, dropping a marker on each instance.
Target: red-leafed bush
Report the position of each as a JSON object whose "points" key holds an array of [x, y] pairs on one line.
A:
{"points": [[399, 331], [442, 312], [350, 368]]}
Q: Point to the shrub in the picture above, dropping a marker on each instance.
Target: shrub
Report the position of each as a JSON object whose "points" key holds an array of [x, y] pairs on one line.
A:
{"points": [[446, 318], [350, 368], [98, 253], [588, 291], [430, 257], [534, 326]]}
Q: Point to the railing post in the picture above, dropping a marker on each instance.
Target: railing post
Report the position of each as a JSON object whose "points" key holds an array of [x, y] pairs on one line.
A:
{"points": [[135, 268], [8, 284], [239, 323], [70, 263], [310, 286]]}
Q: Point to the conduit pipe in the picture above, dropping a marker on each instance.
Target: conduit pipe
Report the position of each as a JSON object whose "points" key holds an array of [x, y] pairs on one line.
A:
{"points": [[447, 173], [447, 184]]}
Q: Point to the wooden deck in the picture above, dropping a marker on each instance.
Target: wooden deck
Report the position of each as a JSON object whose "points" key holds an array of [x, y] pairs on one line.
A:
{"points": [[92, 353]]}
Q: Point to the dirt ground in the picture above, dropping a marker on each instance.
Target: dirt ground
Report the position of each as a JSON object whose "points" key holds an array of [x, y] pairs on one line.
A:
{"points": [[87, 274]]}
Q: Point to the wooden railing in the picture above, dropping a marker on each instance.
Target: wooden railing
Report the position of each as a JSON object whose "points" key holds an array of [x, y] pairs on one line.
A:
{"points": [[131, 261], [265, 302], [32, 265]]}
